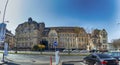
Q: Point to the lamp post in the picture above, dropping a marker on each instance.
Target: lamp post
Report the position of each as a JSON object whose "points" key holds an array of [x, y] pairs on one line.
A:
{"points": [[4, 28], [5, 10]]}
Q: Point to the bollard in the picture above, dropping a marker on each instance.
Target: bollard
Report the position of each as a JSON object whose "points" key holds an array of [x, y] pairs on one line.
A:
{"points": [[50, 60]]}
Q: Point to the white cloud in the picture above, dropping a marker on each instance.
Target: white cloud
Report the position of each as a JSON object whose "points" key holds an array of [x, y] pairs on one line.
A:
{"points": [[114, 32], [13, 13]]}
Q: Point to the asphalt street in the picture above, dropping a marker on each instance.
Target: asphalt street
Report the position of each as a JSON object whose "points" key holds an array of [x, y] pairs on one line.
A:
{"points": [[23, 59]]}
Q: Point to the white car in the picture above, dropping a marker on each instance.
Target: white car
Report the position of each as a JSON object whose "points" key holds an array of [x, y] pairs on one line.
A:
{"points": [[84, 51], [66, 50]]}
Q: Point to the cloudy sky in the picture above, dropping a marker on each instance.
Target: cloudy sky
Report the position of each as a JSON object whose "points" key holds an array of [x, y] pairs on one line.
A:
{"points": [[90, 14]]}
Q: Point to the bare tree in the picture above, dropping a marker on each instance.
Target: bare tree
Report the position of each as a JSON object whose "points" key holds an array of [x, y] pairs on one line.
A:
{"points": [[116, 43]]}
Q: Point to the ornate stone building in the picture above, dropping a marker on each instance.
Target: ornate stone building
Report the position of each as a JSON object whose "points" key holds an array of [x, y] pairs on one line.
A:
{"points": [[98, 40], [28, 34], [66, 37], [31, 33]]}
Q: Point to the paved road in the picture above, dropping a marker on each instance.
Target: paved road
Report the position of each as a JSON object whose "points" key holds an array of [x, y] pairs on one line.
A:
{"points": [[73, 63], [22, 59]]}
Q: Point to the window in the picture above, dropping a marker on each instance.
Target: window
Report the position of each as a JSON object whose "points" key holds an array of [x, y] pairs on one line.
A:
{"points": [[104, 35], [104, 41]]}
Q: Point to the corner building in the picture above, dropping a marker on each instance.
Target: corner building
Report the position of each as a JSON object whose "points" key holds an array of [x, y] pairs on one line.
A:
{"points": [[28, 34]]}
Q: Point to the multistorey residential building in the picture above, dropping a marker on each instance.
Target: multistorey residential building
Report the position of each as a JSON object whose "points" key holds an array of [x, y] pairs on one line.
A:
{"points": [[31, 33], [10, 39], [98, 40]]}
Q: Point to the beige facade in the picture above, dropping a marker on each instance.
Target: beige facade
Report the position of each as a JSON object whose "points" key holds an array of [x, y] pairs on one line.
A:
{"points": [[98, 40], [10, 39], [31, 33], [28, 34], [67, 37], [104, 39]]}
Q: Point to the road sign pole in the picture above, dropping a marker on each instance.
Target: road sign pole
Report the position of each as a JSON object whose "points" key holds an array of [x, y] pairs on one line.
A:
{"points": [[55, 48], [55, 45]]}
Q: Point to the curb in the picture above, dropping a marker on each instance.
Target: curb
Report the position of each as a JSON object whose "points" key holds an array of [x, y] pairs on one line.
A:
{"points": [[64, 62], [1, 62], [75, 61], [9, 59]]}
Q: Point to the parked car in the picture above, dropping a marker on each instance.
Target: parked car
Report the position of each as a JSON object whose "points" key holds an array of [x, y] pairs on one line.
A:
{"points": [[100, 59], [84, 51], [75, 51], [92, 51], [67, 50], [114, 54]]}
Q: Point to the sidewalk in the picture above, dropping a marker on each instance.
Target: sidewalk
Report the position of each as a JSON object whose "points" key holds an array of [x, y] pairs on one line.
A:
{"points": [[1, 62], [31, 60]]}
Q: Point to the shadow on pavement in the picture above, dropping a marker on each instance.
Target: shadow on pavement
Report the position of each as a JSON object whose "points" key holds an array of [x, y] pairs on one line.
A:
{"points": [[71, 62], [9, 63], [67, 63]]}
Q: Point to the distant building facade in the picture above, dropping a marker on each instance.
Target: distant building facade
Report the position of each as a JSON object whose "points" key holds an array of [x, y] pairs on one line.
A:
{"points": [[10, 39], [98, 40], [31, 33]]}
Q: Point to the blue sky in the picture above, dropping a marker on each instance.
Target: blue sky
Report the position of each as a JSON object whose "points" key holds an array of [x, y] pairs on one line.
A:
{"points": [[90, 14]]}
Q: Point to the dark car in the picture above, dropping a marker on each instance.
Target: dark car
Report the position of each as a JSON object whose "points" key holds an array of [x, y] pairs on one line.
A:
{"points": [[114, 54], [100, 59]]}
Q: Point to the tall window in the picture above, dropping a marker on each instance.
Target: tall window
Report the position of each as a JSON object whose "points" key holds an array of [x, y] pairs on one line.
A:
{"points": [[104, 35], [104, 41]]}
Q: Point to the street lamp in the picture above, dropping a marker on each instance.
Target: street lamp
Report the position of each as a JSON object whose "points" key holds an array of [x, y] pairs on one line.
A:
{"points": [[4, 28], [5, 10]]}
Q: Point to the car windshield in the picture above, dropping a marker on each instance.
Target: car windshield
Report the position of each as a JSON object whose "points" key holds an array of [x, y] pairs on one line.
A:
{"points": [[104, 56]]}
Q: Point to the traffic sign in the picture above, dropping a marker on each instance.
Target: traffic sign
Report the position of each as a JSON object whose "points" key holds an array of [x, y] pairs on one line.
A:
{"points": [[2, 31], [55, 44]]}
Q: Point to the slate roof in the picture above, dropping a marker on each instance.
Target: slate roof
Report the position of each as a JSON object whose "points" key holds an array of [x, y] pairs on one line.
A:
{"points": [[60, 30]]}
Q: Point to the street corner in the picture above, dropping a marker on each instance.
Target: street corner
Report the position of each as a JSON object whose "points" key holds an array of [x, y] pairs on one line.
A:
{"points": [[1, 62]]}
